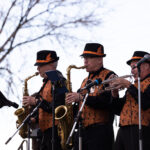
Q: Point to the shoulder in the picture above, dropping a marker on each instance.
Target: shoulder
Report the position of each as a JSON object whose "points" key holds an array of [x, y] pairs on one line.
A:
{"points": [[60, 75], [108, 72]]}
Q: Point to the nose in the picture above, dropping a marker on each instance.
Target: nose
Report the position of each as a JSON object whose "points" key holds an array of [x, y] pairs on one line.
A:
{"points": [[133, 70], [85, 60]]}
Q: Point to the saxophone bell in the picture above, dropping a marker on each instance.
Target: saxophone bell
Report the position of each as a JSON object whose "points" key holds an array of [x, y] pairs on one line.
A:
{"points": [[64, 114], [60, 112], [22, 113]]}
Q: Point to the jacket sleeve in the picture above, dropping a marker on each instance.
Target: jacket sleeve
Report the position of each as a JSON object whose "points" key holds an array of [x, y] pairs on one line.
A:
{"points": [[145, 96], [117, 104], [101, 101]]}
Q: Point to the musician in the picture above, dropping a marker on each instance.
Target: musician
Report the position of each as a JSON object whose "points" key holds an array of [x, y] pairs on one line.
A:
{"points": [[47, 60], [97, 117], [127, 106]]}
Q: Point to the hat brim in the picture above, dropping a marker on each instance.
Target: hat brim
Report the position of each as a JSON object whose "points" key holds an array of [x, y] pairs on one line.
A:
{"points": [[92, 55], [44, 63], [129, 61]]}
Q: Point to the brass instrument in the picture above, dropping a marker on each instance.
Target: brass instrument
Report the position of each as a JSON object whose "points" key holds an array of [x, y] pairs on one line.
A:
{"points": [[22, 113], [64, 114], [119, 86]]}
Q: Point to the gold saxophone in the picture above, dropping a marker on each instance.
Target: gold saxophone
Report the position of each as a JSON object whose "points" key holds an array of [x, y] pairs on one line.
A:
{"points": [[64, 114], [22, 113]]}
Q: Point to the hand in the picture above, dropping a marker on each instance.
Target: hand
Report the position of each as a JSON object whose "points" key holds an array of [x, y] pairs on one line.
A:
{"points": [[114, 92], [28, 101], [120, 83], [73, 97]]}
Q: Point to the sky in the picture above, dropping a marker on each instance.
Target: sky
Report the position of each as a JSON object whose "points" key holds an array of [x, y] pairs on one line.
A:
{"points": [[124, 29]]}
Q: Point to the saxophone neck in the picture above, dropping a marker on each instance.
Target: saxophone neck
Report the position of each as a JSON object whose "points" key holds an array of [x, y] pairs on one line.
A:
{"points": [[69, 85], [25, 93]]}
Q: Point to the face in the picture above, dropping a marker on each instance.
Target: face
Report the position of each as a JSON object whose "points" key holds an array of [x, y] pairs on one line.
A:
{"points": [[144, 70], [93, 63], [134, 70], [43, 68]]}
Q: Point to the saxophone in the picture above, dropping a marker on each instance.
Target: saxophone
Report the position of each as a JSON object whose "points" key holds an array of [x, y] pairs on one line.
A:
{"points": [[22, 113], [64, 114]]}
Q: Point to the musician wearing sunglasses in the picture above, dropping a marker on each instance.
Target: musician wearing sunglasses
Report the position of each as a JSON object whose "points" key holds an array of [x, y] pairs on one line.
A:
{"points": [[128, 106], [97, 117]]}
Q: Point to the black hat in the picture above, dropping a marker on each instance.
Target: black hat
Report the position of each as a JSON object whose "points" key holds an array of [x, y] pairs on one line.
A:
{"points": [[45, 57], [93, 50], [137, 56]]}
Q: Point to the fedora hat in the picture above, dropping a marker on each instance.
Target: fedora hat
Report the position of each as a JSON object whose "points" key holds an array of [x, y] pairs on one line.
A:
{"points": [[93, 50], [137, 55], [45, 57]]}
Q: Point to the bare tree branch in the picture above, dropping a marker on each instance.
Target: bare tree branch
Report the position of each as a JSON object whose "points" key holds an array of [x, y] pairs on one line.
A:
{"points": [[27, 21], [5, 19]]}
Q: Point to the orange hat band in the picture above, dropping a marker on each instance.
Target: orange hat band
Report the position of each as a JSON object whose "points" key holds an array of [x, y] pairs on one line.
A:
{"points": [[136, 57], [43, 61], [90, 52]]}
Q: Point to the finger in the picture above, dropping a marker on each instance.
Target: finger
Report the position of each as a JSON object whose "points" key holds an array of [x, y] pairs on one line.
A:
{"points": [[25, 104], [68, 101], [70, 95]]}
